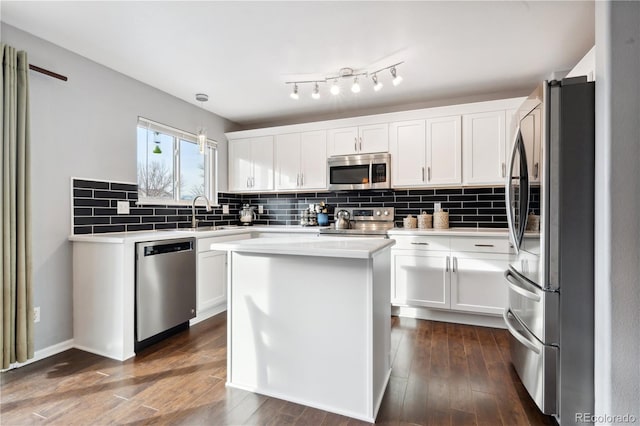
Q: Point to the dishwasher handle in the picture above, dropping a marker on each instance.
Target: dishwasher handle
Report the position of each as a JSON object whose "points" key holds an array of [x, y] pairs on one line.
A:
{"points": [[168, 248]]}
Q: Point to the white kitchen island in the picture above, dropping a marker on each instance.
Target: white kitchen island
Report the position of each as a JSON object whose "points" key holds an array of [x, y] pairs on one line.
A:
{"points": [[309, 321]]}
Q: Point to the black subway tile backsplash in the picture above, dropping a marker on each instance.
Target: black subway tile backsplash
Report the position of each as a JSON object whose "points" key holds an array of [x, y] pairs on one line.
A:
{"points": [[95, 202]]}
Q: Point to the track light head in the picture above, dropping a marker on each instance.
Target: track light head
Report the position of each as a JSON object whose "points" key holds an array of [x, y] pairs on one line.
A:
{"points": [[316, 92], [294, 94], [355, 87], [376, 84], [335, 88], [396, 78]]}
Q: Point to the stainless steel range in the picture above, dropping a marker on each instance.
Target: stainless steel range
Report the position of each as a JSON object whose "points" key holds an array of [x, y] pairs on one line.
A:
{"points": [[364, 222]]}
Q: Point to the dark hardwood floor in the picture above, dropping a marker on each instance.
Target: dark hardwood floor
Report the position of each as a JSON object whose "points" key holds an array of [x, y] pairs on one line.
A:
{"points": [[443, 374]]}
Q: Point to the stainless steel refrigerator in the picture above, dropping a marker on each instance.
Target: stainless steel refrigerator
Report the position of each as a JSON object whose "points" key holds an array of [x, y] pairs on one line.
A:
{"points": [[550, 210]]}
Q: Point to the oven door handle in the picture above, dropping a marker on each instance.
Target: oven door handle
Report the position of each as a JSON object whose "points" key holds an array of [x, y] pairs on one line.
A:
{"points": [[516, 285], [519, 336]]}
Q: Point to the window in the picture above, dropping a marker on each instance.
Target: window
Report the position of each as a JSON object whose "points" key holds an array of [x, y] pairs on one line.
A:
{"points": [[171, 169]]}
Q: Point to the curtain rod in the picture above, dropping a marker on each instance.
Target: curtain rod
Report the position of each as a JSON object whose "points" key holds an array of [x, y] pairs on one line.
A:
{"points": [[47, 72]]}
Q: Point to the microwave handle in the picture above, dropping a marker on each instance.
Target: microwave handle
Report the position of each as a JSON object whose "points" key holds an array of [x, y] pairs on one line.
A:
{"points": [[370, 173], [355, 144]]}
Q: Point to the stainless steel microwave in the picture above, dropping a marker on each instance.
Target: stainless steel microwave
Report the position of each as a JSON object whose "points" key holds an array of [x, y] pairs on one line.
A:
{"points": [[363, 171]]}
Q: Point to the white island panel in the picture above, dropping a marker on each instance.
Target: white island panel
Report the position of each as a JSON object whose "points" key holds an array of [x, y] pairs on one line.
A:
{"points": [[311, 329]]}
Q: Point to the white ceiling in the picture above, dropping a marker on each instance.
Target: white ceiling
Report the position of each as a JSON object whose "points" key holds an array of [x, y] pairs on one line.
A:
{"points": [[241, 53]]}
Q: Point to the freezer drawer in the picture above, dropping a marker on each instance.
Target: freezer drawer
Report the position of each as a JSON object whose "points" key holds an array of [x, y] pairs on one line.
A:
{"points": [[535, 363], [536, 308]]}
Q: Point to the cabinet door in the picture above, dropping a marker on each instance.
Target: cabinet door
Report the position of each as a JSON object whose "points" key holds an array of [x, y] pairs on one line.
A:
{"points": [[313, 160], [532, 125], [373, 138], [407, 144], [478, 284], [420, 279], [287, 165], [444, 160], [343, 141], [262, 156], [240, 164], [211, 279], [484, 148]]}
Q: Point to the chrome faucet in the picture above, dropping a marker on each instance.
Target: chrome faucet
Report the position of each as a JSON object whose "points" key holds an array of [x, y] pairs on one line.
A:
{"points": [[194, 221]]}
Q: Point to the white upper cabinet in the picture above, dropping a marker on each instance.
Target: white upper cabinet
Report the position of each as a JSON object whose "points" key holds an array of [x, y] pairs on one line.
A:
{"points": [[484, 148], [301, 161], [359, 140], [407, 142], [251, 164], [444, 141], [426, 152]]}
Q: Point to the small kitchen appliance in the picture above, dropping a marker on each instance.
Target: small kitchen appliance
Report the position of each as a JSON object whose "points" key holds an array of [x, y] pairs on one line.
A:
{"points": [[247, 215], [363, 171]]}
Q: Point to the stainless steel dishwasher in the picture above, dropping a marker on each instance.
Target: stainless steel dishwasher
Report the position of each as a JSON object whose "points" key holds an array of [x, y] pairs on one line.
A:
{"points": [[165, 298]]}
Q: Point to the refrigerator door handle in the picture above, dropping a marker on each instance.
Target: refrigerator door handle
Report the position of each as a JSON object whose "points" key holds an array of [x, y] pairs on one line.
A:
{"points": [[516, 285], [519, 336]]}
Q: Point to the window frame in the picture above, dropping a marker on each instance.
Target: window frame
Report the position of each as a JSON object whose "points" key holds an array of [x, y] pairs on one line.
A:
{"points": [[210, 165]]}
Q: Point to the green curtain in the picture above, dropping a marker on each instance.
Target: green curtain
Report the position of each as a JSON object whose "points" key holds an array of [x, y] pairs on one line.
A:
{"points": [[16, 304]]}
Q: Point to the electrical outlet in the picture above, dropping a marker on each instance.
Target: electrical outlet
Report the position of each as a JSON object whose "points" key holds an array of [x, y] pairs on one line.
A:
{"points": [[123, 207], [36, 314], [225, 209], [260, 209]]}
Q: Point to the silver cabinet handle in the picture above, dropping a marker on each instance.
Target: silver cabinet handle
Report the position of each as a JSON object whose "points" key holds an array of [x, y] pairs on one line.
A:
{"points": [[355, 144], [515, 333], [535, 171], [447, 267], [253, 181], [423, 174], [248, 181], [514, 284], [429, 173], [483, 245], [298, 179], [504, 170], [419, 244], [455, 264], [301, 179], [360, 144]]}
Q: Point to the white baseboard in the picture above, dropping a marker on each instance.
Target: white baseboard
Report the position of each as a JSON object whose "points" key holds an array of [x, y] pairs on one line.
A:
{"points": [[44, 353], [208, 313], [495, 321]]}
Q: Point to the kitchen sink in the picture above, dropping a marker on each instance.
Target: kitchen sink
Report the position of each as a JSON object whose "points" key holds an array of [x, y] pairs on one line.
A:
{"points": [[200, 228]]}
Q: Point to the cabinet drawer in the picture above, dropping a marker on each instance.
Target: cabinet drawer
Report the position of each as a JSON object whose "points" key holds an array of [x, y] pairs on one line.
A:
{"points": [[421, 242], [482, 244], [204, 244]]}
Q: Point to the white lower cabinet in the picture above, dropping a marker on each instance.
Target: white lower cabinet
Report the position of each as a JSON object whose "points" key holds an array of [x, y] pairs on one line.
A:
{"points": [[420, 278], [477, 283], [212, 279], [467, 277]]}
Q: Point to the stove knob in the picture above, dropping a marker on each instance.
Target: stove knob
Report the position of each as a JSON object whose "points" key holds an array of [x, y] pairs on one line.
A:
{"points": [[378, 213], [386, 212]]}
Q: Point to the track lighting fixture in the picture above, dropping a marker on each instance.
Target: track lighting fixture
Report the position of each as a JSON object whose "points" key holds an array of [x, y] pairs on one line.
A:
{"points": [[396, 78], [347, 73]]}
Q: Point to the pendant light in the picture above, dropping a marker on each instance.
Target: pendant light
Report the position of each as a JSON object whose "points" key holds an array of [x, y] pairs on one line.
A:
{"points": [[156, 141], [202, 131]]}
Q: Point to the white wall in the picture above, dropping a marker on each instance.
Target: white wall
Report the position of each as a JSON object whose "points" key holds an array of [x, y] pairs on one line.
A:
{"points": [[85, 127], [617, 333]]}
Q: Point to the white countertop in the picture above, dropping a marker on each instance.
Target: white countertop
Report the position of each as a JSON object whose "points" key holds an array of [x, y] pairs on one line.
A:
{"points": [[348, 247], [165, 234]]}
